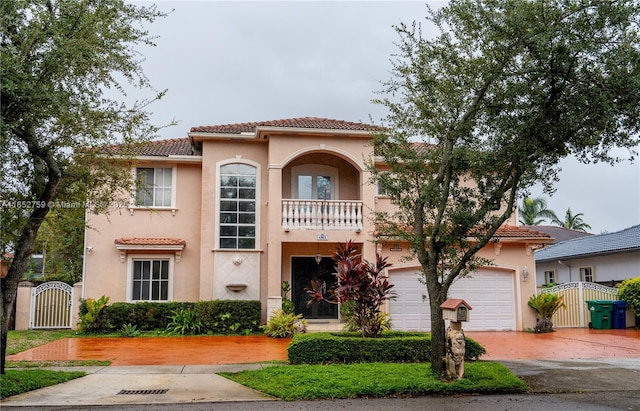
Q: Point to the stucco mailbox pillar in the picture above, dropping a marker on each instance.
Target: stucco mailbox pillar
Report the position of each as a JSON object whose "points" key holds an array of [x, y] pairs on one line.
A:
{"points": [[456, 311]]}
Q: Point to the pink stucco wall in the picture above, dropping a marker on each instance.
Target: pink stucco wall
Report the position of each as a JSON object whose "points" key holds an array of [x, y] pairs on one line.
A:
{"points": [[204, 270]]}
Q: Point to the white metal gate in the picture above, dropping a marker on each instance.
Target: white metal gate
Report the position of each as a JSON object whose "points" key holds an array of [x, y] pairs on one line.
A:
{"points": [[51, 305]]}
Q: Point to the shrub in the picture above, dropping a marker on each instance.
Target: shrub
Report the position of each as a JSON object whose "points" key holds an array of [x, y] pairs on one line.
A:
{"points": [[629, 291], [351, 324], [217, 317], [129, 331], [229, 316], [287, 304], [91, 318], [362, 283], [184, 321], [285, 325], [323, 348], [146, 316], [545, 305]]}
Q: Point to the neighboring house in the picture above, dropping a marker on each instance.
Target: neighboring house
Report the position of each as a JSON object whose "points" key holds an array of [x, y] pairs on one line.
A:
{"points": [[604, 258], [232, 211], [557, 233]]}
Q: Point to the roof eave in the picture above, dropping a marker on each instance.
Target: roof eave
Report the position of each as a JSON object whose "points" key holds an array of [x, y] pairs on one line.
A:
{"points": [[261, 133], [174, 158], [587, 255]]}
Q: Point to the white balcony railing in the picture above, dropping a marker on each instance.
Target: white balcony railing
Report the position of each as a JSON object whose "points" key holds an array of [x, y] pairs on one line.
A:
{"points": [[322, 214]]}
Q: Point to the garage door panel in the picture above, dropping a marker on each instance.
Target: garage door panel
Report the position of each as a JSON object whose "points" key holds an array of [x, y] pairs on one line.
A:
{"points": [[489, 292]]}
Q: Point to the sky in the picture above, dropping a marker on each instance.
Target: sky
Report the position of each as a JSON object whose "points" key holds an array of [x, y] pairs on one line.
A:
{"points": [[236, 62]]}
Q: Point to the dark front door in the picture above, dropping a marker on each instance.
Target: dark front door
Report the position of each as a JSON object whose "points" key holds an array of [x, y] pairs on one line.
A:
{"points": [[305, 269]]}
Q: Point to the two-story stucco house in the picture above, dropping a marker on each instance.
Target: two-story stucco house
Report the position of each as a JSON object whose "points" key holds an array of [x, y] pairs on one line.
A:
{"points": [[231, 211]]}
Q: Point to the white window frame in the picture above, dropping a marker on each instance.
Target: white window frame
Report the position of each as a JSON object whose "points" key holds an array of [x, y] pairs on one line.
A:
{"points": [[149, 257], [218, 220], [315, 170], [134, 199], [587, 272], [550, 276]]}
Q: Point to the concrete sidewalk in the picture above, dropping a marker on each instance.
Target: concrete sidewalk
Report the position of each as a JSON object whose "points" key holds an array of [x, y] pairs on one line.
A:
{"points": [[184, 384]]}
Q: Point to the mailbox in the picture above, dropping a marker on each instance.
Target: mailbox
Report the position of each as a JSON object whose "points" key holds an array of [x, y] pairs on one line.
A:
{"points": [[455, 310]]}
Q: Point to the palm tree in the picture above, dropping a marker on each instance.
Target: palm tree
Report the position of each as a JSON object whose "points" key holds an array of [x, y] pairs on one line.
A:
{"points": [[534, 211], [572, 221]]}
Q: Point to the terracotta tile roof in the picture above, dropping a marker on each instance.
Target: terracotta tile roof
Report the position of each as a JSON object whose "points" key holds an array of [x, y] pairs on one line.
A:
{"points": [[149, 241], [510, 231], [159, 148], [302, 122]]}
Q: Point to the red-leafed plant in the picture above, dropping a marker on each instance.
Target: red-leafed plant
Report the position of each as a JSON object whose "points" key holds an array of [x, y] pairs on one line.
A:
{"points": [[363, 284]]}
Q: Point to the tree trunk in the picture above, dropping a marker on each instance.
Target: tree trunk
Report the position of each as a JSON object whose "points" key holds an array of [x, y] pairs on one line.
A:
{"points": [[19, 264], [8, 295], [437, 295], [438, 343]]}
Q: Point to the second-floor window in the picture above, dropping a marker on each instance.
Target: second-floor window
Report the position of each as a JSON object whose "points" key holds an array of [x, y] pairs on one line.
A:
{"points": [[238, 206], [154, 187], [314, 182]]}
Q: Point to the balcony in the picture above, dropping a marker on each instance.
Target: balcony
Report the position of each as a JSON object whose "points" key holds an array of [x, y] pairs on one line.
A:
{"points": [[321, 215]]}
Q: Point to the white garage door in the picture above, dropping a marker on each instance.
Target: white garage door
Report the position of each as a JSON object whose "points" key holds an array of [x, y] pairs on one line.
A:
{"points": [[489, 292]]}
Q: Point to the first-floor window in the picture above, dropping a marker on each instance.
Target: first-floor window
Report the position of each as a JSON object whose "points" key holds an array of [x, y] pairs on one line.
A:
{"points": [[586, 274], [150, 280], [550, 276]]}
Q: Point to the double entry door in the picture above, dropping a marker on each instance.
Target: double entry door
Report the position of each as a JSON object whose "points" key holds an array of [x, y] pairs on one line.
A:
{"points": [[304, 270]]}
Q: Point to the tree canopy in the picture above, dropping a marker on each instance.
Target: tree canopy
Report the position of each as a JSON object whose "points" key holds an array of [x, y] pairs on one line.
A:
{"points": [[572, 221], [487, 108], [66, 66]]}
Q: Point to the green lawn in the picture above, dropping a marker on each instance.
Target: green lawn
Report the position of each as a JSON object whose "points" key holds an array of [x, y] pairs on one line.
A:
{"points": [[308, 382], [18, 341], [18, 381]]}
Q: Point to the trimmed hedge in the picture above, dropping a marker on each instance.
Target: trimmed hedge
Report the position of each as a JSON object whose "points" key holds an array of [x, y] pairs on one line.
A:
{"points": [[345, 348], [146, 316], [217, 317], [228, 316]]}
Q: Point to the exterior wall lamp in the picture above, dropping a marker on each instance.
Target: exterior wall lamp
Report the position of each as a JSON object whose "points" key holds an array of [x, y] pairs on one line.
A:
{"points": [[525, 273]]}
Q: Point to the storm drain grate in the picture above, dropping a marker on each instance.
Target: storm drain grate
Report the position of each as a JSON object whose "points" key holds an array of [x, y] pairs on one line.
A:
{"points": [[142, 392]]}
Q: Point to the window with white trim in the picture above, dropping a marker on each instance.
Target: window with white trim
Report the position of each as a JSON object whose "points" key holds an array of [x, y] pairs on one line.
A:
{"points": [[586, 274], [238, 206], [550, 277], [314, 182], [150, 280], [154, 187]]}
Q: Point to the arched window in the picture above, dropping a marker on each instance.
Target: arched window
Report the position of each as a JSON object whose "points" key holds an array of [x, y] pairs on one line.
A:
{"points": [[238, 206]]}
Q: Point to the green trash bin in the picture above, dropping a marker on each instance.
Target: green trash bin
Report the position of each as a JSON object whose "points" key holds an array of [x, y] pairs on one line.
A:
{"points": [[601, 311]]}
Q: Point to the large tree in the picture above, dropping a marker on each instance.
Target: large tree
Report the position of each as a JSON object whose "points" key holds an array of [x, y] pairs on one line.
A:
{"points": [[487, 108], [65, 67]]}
